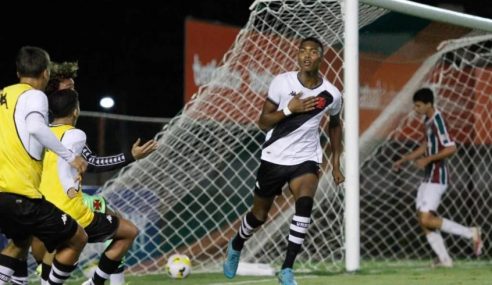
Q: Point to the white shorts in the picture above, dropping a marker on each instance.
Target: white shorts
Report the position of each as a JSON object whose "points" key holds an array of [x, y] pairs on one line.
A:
{"points": [[429, 196]]}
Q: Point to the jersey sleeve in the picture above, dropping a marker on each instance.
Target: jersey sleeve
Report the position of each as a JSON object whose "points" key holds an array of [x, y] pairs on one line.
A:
{"points": [[442, 131], [74, 140], [274, 90], [36, 102], [336, 107], [36, 117], [105, 163]]}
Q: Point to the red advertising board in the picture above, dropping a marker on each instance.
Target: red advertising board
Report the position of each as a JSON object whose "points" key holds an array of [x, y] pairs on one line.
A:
{"points": [[205, 46]]}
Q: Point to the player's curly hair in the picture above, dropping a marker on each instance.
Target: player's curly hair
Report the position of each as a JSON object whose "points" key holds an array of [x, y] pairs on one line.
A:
{"points": [[60, 71]]}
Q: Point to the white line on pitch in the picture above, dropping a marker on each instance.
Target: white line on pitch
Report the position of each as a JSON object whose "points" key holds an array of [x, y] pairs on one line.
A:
{"points": [[259, 281]]}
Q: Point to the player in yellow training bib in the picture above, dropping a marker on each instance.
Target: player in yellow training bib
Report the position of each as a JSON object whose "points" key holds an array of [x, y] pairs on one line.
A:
{"points": [[61, 186], [24, 136], [63, 77]]}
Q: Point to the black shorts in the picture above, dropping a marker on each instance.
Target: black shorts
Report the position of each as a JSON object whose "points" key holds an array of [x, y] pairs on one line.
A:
{"points": [[102, 227], [272, 177], [22, 217]]}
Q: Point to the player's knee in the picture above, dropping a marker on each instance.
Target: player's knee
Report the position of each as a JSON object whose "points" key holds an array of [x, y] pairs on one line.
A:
{"points": [[130, 229], [259, 215], [79, 239], [17, 248], [253, 221], [134, 232], [304, 206]]}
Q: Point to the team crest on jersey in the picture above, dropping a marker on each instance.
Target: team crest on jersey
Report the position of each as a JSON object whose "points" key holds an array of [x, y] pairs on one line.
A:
{"points": [[96, 204], [321, 103], [324, 99], [110, 219], [293, 93]]}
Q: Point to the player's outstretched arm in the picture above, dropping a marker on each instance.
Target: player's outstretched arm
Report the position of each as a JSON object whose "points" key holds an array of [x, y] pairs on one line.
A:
{"points": [[142, 151], [37, 128], [36, 125], [105, 163], [98, 164]]}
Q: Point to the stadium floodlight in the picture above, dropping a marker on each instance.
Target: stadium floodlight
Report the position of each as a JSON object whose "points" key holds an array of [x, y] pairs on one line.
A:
{"points": [[106, 102]]}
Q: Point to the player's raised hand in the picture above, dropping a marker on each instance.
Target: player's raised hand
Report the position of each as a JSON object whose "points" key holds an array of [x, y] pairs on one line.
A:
{"points": [[298, 105], [79, 163], [72, 193], [141, 151]]}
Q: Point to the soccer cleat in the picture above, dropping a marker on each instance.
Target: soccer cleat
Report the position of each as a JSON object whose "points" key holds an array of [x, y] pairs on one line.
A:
{"points": [[436, 263], [232, 261], [477, 241], [88, 282], [286, 277]]}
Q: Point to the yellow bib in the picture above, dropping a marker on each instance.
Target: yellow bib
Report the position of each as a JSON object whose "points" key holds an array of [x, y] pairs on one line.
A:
{"points": [[52, 188], [19, 172]]}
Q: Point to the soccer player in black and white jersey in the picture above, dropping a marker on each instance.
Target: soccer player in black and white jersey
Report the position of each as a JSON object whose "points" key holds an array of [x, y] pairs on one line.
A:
{"points": [[431, 155], [291, 154]]}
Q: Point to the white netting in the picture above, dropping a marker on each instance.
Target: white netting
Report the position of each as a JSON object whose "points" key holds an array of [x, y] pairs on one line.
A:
{"points": [[189, 195], [460, 74]]}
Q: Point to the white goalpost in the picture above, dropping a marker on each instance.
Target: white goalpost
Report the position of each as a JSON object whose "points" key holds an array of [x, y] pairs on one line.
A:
{"points": [[351, 84], [189, 195], [351, 137]]}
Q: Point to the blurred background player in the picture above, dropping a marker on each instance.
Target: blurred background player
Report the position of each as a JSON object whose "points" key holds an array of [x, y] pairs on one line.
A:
{"points": [[431, 155], [24, 135], [292, 112]]}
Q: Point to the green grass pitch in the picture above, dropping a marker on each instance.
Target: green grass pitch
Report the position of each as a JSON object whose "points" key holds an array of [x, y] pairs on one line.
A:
{"points": [[463, 273]]}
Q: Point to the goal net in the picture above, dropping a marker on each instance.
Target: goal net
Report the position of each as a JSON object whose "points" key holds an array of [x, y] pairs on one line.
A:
{"points": [[460, 75], [188, 196]]}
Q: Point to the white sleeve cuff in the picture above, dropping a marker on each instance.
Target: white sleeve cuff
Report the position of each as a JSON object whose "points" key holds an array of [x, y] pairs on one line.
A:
{"points": [[287, 112]]}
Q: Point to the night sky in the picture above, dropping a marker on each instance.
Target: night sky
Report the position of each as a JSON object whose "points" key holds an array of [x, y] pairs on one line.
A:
{"points": [[132, 52]]}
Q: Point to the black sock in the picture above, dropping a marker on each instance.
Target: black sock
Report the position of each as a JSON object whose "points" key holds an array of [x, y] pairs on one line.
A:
{"points": [[292, 251], [249, 225], [20, 273], [105, 268], [298, 230], [45, 271], [59, 272]]}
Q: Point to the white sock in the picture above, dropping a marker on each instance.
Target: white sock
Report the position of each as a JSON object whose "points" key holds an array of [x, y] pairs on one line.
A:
{"points": [[437, 244], [454, 228], [117, 278]]}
